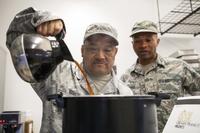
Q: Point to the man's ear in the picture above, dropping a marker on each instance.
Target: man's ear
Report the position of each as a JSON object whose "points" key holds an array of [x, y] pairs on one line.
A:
{"points": [[132, 42], [116, 51], [158, 41], [82, 50]]}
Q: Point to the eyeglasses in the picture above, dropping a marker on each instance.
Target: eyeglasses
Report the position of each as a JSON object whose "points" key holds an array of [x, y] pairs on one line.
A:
{"points": [[109, 50]]}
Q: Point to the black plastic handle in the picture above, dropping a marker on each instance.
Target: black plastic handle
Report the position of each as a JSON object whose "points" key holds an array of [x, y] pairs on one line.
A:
{"points": [[159, 97], [57, 98]]}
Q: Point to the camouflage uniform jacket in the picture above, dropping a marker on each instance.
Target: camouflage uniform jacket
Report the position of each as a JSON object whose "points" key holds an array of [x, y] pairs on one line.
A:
{"points": [[166, 75], [66, 78]]}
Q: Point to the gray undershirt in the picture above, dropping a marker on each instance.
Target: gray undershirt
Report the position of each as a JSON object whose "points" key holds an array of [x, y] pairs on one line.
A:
{"points": [[100, 82]]}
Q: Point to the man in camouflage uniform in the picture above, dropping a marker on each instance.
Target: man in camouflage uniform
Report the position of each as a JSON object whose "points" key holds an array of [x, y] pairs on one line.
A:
{"points": [[152, 73], [98, 51]]}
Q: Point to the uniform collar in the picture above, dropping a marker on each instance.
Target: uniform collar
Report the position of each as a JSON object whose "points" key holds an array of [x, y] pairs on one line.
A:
{"points": [[160, 62]]}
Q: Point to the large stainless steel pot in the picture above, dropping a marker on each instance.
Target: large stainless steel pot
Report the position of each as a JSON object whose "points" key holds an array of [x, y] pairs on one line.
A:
{"points": [[110, 114]]}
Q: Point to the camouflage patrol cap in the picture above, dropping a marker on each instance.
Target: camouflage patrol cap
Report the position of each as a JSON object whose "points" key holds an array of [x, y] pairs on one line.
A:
{"points": [[101, 28], [144, 26]]}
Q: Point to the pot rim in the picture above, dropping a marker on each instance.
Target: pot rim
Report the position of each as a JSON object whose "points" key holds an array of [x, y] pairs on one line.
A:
{"points": [[110, 96]]}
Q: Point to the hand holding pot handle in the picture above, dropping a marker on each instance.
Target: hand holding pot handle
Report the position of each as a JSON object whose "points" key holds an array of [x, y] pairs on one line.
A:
{"points": [[50, 28]]}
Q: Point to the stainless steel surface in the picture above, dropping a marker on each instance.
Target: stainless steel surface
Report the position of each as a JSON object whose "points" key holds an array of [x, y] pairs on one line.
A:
{"points": [[190, 56]]}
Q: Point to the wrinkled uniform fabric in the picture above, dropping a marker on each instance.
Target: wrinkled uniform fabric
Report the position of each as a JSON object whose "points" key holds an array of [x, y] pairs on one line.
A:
{"points": [[66, 79], [167, 75]]}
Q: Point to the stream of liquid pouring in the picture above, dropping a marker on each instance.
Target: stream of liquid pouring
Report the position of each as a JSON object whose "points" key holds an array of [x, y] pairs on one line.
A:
{"points": [[90, 90]]}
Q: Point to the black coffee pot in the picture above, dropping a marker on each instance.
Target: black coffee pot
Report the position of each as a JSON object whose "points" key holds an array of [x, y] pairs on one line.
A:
{"points": [[35, 57]]}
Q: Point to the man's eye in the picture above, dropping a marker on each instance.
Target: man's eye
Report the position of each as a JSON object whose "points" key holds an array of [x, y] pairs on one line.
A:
{"points": [[107, 50], [137, 41], [92, 49], [148, 40]]}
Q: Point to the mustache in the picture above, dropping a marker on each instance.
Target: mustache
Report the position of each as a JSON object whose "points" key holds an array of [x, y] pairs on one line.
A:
{"points": [[143, 50], [97, 61]]}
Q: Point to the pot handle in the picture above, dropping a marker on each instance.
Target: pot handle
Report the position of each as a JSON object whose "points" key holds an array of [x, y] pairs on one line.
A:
{"points": [[57, 98], [159, 97]]}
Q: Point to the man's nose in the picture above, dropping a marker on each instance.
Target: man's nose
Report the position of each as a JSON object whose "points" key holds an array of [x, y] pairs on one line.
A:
{"points": [[143, 44], [100, 54]]}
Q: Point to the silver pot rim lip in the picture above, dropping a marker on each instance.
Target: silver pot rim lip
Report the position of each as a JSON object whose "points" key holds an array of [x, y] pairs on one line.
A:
{"points": [[111, 96]]}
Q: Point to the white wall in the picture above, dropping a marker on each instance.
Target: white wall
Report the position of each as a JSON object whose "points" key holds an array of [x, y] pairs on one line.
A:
{"points": [[78, 14], [2, 76]]}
